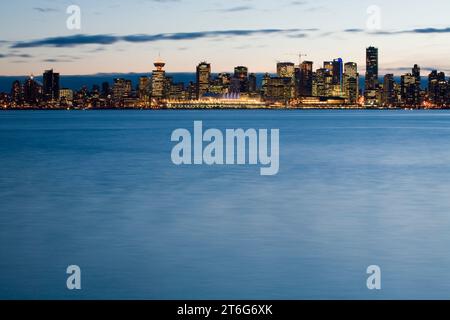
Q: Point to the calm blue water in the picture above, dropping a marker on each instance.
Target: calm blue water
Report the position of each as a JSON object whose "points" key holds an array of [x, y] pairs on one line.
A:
{"points": [[98, 189]]}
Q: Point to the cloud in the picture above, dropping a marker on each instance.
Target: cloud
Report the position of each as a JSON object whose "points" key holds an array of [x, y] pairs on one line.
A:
{"points": [[237, 9], [45, 10], [16, 55], [108, 39], [429, 30]]}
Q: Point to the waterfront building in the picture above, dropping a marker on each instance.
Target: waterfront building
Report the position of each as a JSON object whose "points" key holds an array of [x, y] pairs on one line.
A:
{"points": [[371, 81], [158, 83], [203, 79], [351, 82], [51, 86]]}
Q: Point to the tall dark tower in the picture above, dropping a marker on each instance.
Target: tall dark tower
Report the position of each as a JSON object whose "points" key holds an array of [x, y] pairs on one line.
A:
{"points": [[306, 79], [371, 68], [51, 85], [203, 79], [416, 75]]}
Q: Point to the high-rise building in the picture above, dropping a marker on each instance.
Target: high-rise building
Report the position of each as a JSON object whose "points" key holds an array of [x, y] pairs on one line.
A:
{"points": [[338, 71], [351, 82], [389, 98], [320, 82], [252, 86], [417, 76], [408, 90], [144, 89], [241, 81], [158, 84], [51, 85], [305, 81], [203, 79], [285, 70], [32, 91], [121, 89], [371, 81], [438, 88], [371, 68]]}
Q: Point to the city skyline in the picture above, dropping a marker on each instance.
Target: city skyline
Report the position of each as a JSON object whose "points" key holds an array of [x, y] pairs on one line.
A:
{"points": [[252, 33], [333, 84]]}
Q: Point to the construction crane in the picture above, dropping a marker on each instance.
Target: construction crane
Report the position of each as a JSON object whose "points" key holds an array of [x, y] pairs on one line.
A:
{"points": [[300, 55]]}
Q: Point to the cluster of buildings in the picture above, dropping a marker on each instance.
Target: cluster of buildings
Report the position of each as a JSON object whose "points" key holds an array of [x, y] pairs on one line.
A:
{"points": [[334, 84]]}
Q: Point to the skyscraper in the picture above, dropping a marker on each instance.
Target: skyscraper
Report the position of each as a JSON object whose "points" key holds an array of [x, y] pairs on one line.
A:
{"points": [[338, 70], [371, 76], [51, 85], [371, 68], [438, 88], [416, 75], [305, 83], [32, 91], [408, 90], [351, 82], [144, 89], [158, 80], [203, 79], [241, 81], [285, 70], [388, 90]]}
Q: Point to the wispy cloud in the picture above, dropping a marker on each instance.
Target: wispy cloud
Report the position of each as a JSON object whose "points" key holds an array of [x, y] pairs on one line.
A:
{"points": [[428, 30], [45, 10], [108, 39], [237, 9]]}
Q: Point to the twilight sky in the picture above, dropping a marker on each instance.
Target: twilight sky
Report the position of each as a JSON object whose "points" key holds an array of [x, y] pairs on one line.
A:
{"points": [[126, 36]]}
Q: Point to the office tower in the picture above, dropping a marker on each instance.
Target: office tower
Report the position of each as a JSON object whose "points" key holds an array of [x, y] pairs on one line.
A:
{"points": [[328, 65], [280, 89], [144, 89], [438, 88], [203, 79], [241, 82], [285, 70], [319, 82], [241, 72], [305, 81], [351, 82], [265, 84], [371, 81], [408, 90], [416, 75], [16, 93], [389, 98], [32, 91], [158, 80], [51, 85], [371, 68], [120, 89], [176, 91], [252, 86], [338, 70]]}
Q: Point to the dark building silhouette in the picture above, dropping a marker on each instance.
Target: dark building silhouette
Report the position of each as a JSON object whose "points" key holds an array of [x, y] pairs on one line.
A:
{"points": [[305, 79], [51, 85]]}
